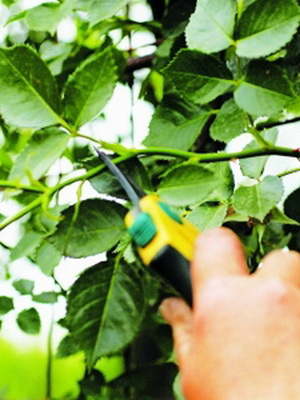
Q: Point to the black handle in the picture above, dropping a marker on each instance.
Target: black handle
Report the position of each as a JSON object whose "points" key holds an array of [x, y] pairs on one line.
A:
{"points": [[175, 268]]}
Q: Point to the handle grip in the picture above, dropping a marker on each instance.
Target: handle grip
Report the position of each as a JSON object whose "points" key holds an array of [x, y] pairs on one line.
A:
{"points": [[175, 268]]}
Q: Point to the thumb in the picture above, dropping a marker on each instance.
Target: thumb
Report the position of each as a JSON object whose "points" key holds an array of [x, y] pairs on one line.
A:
{"points": [[179, 315]]}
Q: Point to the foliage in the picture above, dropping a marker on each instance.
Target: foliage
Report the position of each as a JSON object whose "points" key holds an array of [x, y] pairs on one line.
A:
{"points": [[219, 69]]}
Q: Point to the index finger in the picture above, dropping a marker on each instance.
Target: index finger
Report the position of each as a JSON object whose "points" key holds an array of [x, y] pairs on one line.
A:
{"points": [[218, 252]]}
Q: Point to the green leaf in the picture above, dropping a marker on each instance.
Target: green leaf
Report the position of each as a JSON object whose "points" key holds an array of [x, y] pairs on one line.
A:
{"points": [[224, 189], [176, 123], [29, 96], [24, 286], [45, 298], [54, 55], [105, 309], [198, 77], [278, 216], [107, 183], [98, 10], [26, 245], [90, 87], [98, 227], [177, 388], [6, 304], [254, 167], [176, 19], [47, 257], [208, 216], [211, 26], [47, 16], [266, 26], [187, 184], [29, 321], [265, 89], [257, 200], [67, 347], [42, 150], [230, 122]]}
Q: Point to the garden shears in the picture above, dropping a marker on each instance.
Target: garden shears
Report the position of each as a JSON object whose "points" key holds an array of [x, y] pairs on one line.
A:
{"points": [[164, 240]]}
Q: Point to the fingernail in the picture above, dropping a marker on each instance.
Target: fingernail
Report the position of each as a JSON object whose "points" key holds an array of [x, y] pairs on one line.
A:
{"points": [[168, 308]]}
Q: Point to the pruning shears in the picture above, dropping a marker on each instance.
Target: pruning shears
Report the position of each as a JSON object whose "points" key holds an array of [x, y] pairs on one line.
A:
{"points": [[164, 239]]}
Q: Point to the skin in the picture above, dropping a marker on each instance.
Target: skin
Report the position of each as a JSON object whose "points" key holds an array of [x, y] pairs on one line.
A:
{"points": [[242, 338]]}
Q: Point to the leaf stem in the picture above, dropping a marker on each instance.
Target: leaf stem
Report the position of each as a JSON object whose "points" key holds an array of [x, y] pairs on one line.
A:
{"points": [[31, 206], [291, 171], [14, 185], [260, 140]]}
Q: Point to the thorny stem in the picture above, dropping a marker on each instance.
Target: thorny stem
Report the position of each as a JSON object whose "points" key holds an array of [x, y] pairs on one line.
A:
{"points": [[132, 152]]}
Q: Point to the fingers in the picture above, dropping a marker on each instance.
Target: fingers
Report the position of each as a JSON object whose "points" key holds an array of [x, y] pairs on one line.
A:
{"points": [[179, 315], [282, 265], [218, 252]]}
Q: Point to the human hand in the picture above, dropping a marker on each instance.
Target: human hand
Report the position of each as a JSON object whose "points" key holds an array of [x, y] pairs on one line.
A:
{"points": [[241, 341]]}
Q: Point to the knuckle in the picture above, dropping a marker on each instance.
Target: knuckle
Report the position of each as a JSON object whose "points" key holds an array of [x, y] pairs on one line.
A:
{"points": [[293, 257], [276, 292]]}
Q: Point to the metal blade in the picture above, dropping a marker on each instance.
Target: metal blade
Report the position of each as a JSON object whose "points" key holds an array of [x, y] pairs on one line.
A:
{"points": [[123, 180]]}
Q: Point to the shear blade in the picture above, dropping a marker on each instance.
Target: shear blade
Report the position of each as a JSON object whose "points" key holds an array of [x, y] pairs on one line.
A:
{"points": [[132, 191]]}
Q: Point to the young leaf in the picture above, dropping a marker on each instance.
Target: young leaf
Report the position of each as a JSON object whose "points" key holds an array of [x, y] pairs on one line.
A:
{"points": [[47, 257], [188, 184], [211, 26], [24, 286], [42, 150], [265, 89], [26, 245], [105, 309], [6, 304], [278, 216], [47, 16], [29, 321], [180, 121], [257, 200], [254, 167], [45, 297], [97, 228], [29, 96], [198, 77], [90, 87], [266, 26], [230, 122], [98, 10], [208, 216]]}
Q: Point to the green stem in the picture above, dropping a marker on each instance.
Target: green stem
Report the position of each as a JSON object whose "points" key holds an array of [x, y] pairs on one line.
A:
{"points": [[49, 360], [221, 156], [194, 157], [260, 140], [291, 171], [14, 185], [81, 135], [31, 206]]}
